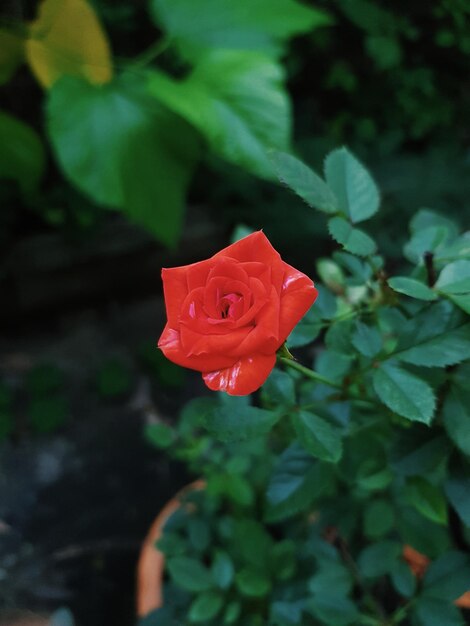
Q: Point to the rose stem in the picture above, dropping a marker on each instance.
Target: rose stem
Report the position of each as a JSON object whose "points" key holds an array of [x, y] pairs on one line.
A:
{"points": [[310, 373]]}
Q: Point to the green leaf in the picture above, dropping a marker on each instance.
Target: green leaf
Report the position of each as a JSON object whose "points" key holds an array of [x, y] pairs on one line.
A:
{"points": [[331, 609], [432, 612], [237, 101], [419, 451], [403, 578], [289, 473], [115, 144], [367, 340], [331, 576], [425, 536], [427, 499], [159, 435], [455, 278], [253, 543], [232, 612], [338, 337], [199, 533], [456, 249], [372, 476], [430, 322], [457, 489], [172, 544], [283, 559], [352, 184], [311, 324], [412, 287], [333, 365], [234, 25], [232, 423], [379, 518], [325, 303], [318, 436], [159, 617], [462, 301], [404, 393], [286, 613], [295, 483], [307, 330], [205, 607], [425, 217], [430, 239], [222, 570], [22, 157], [279, 389], [231, 486], [448, 348], [189, 574], [448, 577], [352, 239], [379, 558], [359, 270], [304, 182], [331, 275], [456, 414], [252, 583], [385, 50]]}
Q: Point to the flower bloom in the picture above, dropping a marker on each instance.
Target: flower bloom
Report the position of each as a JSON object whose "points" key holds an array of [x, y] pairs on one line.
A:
{"points": [[228, 315]]}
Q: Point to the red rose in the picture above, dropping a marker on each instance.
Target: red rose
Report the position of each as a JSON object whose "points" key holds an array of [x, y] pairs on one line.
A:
{"points": [[228, 316]]}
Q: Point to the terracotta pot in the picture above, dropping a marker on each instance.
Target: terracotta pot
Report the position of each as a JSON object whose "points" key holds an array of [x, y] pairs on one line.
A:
{"points": [[419, 563], [151, 561]]}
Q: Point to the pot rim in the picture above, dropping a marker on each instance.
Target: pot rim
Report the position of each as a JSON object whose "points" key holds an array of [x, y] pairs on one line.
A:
{"points": [[151, 563]]}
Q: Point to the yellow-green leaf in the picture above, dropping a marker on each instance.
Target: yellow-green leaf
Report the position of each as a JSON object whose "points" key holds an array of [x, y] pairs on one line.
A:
{"points": [[68, 39]]}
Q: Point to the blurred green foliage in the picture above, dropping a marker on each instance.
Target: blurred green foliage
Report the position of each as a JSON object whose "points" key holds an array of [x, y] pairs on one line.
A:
{"points": [[131, 141], [48, 407], [114, 379], [199, 88]]}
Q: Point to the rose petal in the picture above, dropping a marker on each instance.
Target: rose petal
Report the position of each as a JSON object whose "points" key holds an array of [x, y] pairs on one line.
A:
{"points": [[255, 269], [218, 286], [264, 337], [228, 268], [297, 296], [197, 273], [259, 299], [175, 288], [254, 247], [196, 343], [243, 378], [170, 344]]}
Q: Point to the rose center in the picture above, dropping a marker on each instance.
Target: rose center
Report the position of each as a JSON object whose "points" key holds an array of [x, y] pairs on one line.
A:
{"points": [[229, 305]]}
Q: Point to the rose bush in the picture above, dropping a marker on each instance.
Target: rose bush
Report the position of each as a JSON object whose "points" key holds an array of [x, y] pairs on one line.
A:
{"points": [[339, 495], [228, 315]]}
